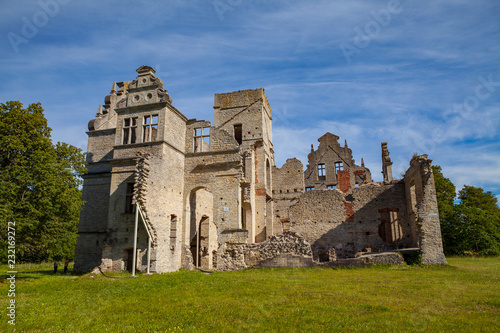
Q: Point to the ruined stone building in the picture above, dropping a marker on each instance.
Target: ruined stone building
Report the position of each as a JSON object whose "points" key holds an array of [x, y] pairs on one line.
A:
{"points": [[211, 196]]}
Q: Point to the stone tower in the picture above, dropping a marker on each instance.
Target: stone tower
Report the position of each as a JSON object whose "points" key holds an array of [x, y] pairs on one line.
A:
{"points": [[247, 116], [138, 117], [199, 186]]}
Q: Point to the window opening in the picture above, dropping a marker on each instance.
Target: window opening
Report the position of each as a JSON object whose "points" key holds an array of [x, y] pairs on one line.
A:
{"points": [[309, 189], [268, 175], [390, 229], [413, 197], [338, 167], [331, 187], [201, 139], [129, 207], [129, 130], [173, 231], [238, 133], [150, 128], [321, 171]]}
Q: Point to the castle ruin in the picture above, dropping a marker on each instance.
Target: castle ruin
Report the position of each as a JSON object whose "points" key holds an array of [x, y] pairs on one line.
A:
{"points": [[210, 196]]}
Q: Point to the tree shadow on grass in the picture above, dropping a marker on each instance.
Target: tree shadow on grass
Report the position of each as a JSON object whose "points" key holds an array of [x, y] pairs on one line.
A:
{"points": [[38, 274]]}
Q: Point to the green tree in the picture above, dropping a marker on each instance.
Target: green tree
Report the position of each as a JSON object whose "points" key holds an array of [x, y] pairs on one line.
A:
{"points": [[476, 197], [445, 192], [471, 226], [471, 230], [39, 183]]}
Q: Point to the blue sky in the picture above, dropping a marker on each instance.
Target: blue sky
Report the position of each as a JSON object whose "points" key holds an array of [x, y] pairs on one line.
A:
{"points": [[422, 75]]}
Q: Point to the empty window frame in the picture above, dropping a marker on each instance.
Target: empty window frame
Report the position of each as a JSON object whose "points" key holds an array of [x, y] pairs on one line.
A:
{"points": [[129, 206], [129, 130], [268, 175], [309, 189], [173, 226], [321, 171], [150, 128], [201, 139], [238, 133], [338, 167], [331, 187], [390, 228], [173, 231]]}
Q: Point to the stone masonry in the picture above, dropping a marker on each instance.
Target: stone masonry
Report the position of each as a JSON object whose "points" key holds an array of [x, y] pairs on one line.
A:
{"points": [[211, 197]]}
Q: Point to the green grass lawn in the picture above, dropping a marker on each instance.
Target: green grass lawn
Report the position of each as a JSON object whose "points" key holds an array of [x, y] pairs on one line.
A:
{"points": [[463, 297]]}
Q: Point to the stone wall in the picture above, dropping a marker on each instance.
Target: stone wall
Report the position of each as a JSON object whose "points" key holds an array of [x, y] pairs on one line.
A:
{"points": [[422, 210], [164, 206], [284, 250], [250, 111], [100, 148], [92, 227], [212, 177], [338, 225], [290, 249], [325, 162], [288, 186]]}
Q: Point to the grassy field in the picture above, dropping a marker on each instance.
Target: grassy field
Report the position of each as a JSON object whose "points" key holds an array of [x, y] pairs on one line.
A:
{"points": [[462, 297]]}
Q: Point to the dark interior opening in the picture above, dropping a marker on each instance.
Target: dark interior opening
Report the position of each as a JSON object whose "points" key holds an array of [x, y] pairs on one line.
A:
{"points": [[238, 133]]}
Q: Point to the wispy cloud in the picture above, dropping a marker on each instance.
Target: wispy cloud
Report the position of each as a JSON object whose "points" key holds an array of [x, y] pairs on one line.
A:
{"points": [[401, 88]]}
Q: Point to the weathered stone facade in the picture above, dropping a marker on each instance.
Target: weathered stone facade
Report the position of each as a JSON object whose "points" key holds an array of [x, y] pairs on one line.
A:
{"points": [[322, 171], [210, 195]]}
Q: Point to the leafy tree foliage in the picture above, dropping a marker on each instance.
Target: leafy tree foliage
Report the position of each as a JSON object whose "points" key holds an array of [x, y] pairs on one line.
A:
{"points": [[471, 226], [39, 186], [476, 197], [445, 192]]}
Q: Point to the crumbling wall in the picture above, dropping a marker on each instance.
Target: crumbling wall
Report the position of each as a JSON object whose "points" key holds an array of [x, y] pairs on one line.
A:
{"points": [[332, 158], [246, 116], [217, 171], [338, 225], [422, 210], [386, 163], [288, 186], [247, 108], [284, 250]]}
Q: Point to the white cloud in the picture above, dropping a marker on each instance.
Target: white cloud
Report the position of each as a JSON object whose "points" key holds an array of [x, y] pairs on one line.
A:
{"points": [[399, 88]]}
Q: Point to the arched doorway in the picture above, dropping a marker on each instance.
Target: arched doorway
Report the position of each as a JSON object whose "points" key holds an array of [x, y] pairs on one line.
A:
{"points": [[202, 232]]}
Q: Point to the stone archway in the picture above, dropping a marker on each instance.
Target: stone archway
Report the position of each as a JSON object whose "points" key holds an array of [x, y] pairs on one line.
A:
{"points": [[202, 234]]}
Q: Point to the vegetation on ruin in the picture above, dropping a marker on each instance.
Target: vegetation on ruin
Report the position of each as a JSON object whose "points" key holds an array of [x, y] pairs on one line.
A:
{"points": [[462, 297], [471, 226], [39, 186]]}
